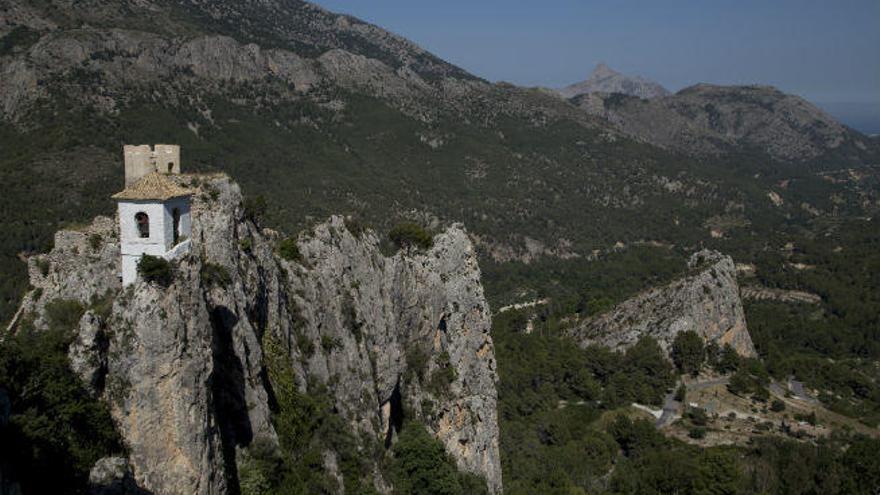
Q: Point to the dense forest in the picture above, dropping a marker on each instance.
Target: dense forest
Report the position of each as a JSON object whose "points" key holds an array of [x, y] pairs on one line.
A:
{"points": [[566, 427]]}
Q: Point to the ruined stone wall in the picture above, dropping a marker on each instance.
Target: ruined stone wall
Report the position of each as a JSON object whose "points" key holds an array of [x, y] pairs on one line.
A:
{"points": [[142, 159]]}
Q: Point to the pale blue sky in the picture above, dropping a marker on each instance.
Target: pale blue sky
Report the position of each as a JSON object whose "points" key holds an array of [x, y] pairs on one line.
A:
{"points": [[827, 51]]}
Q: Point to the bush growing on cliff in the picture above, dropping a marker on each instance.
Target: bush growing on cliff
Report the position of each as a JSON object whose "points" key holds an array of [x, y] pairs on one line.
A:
{"points": [[421, 465], [255, 208], [409, 234], [156, 270], [308, 425], [728, 360], [213, 275], [63, 315], [289, 250]]}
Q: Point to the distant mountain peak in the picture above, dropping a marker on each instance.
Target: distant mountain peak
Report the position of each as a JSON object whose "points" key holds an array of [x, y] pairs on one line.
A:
{"points": [[602, 71], [604, 79]]}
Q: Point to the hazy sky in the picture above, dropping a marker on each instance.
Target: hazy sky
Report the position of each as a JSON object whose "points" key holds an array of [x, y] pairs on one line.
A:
{"points": [[827, 51]]}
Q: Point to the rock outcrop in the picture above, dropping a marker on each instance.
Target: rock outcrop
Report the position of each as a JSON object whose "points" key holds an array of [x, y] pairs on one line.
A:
{"points": [[707, 301], [112, 476], [183, 369], [603, 79]]}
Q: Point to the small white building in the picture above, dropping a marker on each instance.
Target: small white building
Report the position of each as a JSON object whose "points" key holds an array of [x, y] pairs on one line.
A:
{"points": [[154, 215]]}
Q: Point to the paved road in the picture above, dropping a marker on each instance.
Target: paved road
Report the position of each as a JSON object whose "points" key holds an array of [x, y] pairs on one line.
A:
{"points": [[799, 392], [670, 410]]}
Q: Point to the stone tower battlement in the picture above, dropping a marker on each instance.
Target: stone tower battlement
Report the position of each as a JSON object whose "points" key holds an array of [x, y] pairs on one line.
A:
{"points": [[143, 159]]}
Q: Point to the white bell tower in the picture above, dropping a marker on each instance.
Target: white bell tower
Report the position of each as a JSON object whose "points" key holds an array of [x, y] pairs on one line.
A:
{"points": [[154, 213]]}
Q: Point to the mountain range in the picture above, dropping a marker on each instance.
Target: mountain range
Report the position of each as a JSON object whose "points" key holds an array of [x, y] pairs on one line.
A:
{"points": [[581, 205], [322, 113]]}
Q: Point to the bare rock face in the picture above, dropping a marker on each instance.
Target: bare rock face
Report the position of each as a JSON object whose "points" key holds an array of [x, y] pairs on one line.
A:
{"points": [[707, 301], [112, 476], [182, 366]]}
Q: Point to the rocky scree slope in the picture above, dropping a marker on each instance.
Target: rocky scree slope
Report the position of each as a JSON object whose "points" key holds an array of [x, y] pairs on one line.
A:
{"points": [[709, 120], [183, 367], [603, 79], [707, 301]]}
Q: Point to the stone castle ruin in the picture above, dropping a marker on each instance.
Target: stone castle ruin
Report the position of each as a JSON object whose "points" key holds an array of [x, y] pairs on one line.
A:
{"points": [[142, 159]]}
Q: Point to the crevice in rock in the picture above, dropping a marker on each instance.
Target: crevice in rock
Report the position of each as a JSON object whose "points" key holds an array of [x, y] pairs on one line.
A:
{"points": [[228, 391], [102, 347], [395, 418]]}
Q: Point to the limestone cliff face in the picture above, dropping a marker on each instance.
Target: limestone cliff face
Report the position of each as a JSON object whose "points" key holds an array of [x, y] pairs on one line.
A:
{"points": [[183, 370], [707, 301]]}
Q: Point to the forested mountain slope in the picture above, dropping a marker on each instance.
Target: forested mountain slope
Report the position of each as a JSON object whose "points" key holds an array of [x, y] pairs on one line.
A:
{"points": [[322, 114]]}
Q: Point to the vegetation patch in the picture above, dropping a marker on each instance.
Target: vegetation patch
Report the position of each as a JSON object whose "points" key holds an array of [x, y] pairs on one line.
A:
{"points": [[289, 250], [156, 270], [407, 235], [214, 275], [55, 425], [422, 465], [688, 352], [96, 241]]}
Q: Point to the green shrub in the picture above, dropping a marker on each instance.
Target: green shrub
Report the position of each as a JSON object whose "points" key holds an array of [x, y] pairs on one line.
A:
{"points": [[214, 275], [728, 361], [64, 314], [777, 406], [55, 425], [305, 345], [156, 270], [443, 376], [329, 343], [43, 265], [307, 425], [245, 245], [289, 250], [416, 362], [809, 418], [688, 352], [102, 306], [350, 318], [697, 432], [421, 465], [355, 226], [407, 235], [680, 393], [697, 416], [95, 241], [635, 437], [761, 394], [255, 208]]}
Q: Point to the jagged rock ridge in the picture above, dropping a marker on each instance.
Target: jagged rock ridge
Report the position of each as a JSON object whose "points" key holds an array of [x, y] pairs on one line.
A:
{"points": [[706, 301], [603, 79], [183, 367]]}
